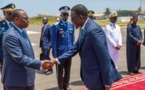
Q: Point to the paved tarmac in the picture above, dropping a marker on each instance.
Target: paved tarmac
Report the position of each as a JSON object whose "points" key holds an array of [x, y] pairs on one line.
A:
{"points": [[49, 82]]}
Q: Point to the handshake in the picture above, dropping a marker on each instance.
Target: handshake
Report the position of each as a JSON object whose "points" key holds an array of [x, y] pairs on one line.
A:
{"points": [[47, 64]]}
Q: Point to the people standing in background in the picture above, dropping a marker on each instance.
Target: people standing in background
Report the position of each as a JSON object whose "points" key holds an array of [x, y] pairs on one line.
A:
{"points": [[4, 25], [91, 14], [45, 42], [134, 41], [114, 37], [62, 41], [130, 22]]}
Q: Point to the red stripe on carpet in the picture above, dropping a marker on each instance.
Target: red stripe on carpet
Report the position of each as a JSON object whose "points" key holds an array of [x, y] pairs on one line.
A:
{"points": [[136, 82]]}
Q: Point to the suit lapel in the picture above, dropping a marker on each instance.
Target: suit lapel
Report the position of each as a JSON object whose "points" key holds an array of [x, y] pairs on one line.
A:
{"points": [[29, 42], [28, 45], [83, 34]]}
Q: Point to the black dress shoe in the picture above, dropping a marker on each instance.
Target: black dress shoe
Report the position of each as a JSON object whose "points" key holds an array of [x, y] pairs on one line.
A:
{"points": [[48, 72], [68, 89]]}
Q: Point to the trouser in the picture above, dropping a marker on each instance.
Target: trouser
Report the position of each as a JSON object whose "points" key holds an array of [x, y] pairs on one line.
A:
{"points": [[19, 88], [103, 88], [63, 74], [114, 55], [46, 55]]}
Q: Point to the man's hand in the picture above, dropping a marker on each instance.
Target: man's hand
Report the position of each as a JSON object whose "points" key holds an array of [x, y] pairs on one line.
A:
{"points": [[53, 62], [48, 49], [139, 43], [118, 47], [46, 65], [107, 88]]}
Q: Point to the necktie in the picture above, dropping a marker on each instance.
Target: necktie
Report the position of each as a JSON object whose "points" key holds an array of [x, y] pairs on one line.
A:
{"points": [[25, 36], [81, 34]]}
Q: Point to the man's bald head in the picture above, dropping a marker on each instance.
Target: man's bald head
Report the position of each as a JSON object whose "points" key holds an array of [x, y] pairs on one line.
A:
{"points": [[20, 18], [45, 20], [16, 13]]}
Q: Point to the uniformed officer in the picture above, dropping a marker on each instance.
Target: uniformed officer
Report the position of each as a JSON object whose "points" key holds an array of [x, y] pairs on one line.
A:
{"points": [[5, 24], [114, 37], [91, 14], [62, 41]]}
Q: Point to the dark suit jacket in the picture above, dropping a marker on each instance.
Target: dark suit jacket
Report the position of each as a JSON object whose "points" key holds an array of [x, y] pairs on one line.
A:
{"points": [[3, 28], [19, 64], [98, 69], [46, 37]]}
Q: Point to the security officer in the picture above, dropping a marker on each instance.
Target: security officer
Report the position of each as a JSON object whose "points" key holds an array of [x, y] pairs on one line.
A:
{"points": [[62, 41], [114, 37], [4, 25], [91, 14]]}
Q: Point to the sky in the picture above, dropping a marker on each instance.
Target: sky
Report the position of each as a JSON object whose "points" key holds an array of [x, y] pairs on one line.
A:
{"points": [[50, 7]]}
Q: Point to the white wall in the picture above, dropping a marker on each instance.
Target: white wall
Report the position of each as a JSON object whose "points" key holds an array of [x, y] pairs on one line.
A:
{"points": [[124, 19]]}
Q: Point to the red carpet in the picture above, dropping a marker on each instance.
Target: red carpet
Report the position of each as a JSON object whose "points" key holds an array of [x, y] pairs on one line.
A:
{"points": [[136, 82]]}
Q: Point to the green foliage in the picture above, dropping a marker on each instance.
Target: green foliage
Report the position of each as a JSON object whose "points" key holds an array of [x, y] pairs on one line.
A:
{"points": [[103, 23], [107, 12], [37, 20], [125, 13]]}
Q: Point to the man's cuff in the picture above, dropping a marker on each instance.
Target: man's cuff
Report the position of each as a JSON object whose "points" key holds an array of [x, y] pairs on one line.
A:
{"points": [[41, 66], [57, 61], [107, 85]]}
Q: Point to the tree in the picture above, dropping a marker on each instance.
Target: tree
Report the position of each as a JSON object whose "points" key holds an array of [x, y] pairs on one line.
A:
{"points": [[140, 10], [107, 12]]}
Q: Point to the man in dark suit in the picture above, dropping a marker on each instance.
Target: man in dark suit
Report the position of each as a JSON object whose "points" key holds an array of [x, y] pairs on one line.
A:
{"points": [[19, 64], [45, 43], [62, 41], [4, 25], [98, 70]]}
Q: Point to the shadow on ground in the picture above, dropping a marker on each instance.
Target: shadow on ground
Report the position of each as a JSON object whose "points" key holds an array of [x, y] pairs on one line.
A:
{"points": [[123, 72], [77, 83], [54, 88], [39, 71], [142, 68]]}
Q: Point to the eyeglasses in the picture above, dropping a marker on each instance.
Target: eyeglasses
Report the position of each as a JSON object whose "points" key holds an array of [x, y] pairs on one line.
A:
{"points": [[10, 13], [65, 14], [73, 18]]}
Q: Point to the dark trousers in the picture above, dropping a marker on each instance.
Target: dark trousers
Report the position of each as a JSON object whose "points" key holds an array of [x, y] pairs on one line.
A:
{"points": [[103, 88], [63, 74], [19, 88], [46, 55]]}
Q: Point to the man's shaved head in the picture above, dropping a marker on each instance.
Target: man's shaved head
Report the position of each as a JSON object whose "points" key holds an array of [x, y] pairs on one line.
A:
{"points": [[16, 13], [20, 18]]}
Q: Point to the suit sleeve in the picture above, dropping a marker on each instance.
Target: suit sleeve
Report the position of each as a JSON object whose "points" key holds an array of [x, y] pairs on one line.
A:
{"points": [[131, 36], [49, 36], [46, 41], [74, 50], [54, 40], [13, 47], [109, 38], [98, 40], [144, 38]]}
